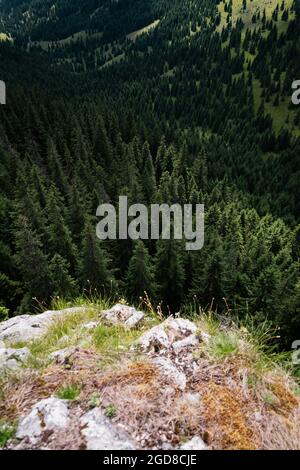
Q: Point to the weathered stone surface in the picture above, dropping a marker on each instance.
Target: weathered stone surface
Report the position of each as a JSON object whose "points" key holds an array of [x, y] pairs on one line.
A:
{"points": [[192, 399], [185, 344], [123, 315], [101, 434], [154, 339], [46, 415], [170, 332], [29, 327], [13, 359], [169, 370], [194, 444], [180, 326], [62, 356]]}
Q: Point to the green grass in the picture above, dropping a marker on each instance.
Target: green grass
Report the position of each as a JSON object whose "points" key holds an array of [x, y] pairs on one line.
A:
{"points": [[5, 37], [69, 392], [109, 341], [135, 34], [112, 342], [79, 36], [253, 7], [110, 411], [94, 400], [7, 432], [223, 345]]}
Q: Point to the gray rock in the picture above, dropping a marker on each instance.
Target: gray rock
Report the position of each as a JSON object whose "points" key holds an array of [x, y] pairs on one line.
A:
{"points": [[29, 327], [123, 315], [46, 415], [62, 355], [194, 444], [101, 434], [168, 333], [13, 359], [169, 370], [185, 344], [192, 399], [154, 340], [181, 327]]}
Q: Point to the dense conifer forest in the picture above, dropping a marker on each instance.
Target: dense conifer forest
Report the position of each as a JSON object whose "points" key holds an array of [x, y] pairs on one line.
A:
{"points": [[182, 101]]}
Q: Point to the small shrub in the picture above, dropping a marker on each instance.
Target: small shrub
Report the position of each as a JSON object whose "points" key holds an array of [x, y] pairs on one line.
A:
{"points": [[110, 411], [94, 400], [7, 431], [224, 345], [3, 313], [69, 392]]}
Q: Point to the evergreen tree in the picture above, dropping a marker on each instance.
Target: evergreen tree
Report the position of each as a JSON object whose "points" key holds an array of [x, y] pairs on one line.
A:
{"points": [[140, 274], [94, 271]]}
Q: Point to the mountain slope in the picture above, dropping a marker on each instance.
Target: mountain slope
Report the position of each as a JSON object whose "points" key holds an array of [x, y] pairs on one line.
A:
{"points": [[197, 109]]}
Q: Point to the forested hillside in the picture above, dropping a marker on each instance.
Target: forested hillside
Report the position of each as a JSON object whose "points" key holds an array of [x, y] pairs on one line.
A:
{"points": [[184, 101]]}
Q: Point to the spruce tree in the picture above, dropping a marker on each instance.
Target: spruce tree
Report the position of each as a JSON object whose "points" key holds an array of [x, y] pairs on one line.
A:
{"points": [[94, 272], [140, 274]]}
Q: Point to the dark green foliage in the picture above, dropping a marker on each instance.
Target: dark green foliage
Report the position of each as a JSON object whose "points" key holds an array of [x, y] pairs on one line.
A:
{"points": [[140, 275], [185, 117]]}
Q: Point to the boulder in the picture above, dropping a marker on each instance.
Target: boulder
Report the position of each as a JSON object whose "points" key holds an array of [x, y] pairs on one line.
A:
{"points": [[13, 359], [30, 327], [170, 371], [170, 332], [194, 444], [181, 327], [154, 340], [123, 315], [46, 415], [101, 434]]}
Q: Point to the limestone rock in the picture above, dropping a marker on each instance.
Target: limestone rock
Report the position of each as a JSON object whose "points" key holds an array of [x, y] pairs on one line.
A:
{"points": [[30, 327], [101, 434], [46, 415], [123, 315], [154, 339], [185, 344], [168, 333], [62, 356], [13, 359], [194, 444], [177, 378]]}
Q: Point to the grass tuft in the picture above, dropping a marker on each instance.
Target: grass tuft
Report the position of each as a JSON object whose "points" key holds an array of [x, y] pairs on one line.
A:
{"points": [[7, 432], [69, 392]]}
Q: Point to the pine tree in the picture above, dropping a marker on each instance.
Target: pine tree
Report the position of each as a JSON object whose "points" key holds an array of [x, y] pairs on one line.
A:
{"points": [[32, 263], [59, 235], [62, 284], [94, 271], [170, 275], [140, 275]]}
